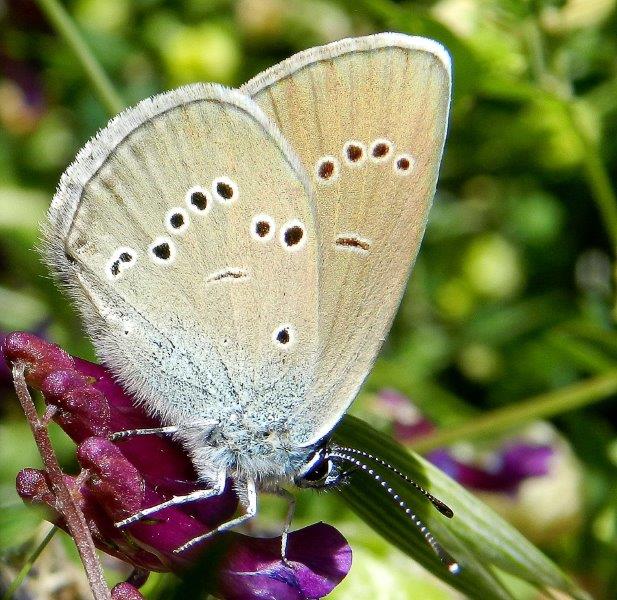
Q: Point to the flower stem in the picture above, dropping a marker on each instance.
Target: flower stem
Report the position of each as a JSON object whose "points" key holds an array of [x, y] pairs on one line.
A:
{"points": [[600, 184], [67, 29], [559, 88], [67, 507], [23, 572], [538, 407]]}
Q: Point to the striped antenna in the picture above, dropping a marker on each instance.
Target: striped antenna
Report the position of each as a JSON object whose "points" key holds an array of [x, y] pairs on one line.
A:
{"points": [[442, 507], [445, 558]]}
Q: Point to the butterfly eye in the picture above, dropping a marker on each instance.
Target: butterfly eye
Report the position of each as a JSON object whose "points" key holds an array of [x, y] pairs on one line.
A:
{"points": [[320, 471]]}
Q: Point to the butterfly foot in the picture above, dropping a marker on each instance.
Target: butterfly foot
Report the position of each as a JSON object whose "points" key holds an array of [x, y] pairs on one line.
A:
{"points": [[193, 542], [127, 521], [288, 563]]}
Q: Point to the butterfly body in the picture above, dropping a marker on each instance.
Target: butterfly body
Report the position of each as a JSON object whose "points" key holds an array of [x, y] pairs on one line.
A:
{"points": [[238, 256]]}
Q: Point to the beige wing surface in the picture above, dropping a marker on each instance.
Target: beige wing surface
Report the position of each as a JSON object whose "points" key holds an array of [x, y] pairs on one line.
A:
{"points": [[367, 117], [186, 234]]}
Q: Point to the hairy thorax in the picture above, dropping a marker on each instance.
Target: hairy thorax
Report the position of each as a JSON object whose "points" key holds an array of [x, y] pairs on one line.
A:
{"points": [[263, 454]]}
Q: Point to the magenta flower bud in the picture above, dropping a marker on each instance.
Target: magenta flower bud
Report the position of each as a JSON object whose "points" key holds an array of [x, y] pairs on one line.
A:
{"points": [[32, 486], [41, 357], [83, 410], [125, 591], [114, 481]]}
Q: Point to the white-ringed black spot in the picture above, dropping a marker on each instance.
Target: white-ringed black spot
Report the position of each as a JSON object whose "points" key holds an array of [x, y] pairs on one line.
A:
{"points": [[162, 251], [403, 164], [284, 336], [354, 153], [327, 170], [293, 235], [262, 228], [198, 200], [381, 150], [225, 190], [122, 259], [177, 221]]}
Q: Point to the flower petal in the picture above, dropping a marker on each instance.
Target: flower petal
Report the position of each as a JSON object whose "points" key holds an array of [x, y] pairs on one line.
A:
{"points": [[318, 559]]}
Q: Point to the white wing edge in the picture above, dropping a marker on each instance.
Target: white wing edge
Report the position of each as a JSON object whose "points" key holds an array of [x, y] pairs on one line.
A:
{"points": [[95, 152], [347, 46]]}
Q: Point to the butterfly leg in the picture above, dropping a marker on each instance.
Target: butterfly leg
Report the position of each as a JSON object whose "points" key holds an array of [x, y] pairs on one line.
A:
{"points": [[169, 430], [217, 490], [291, 509], [128, 433], [251, 511]]}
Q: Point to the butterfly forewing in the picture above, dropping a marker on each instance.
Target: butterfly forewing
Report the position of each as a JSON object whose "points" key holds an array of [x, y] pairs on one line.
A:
{"points": [[185, 232], [367, 118]]}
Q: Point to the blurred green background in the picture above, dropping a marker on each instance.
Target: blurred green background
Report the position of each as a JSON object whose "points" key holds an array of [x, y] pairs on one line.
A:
{"points": [[513, 292]]}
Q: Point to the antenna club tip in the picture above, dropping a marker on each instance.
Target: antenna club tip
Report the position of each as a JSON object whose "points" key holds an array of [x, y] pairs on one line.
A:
{"points": [[454, 568], [444, 509]]}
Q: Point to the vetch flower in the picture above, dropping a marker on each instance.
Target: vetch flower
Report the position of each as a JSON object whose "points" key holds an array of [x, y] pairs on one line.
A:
{"points": [[504, 471], [501, 469], [407, 422], [530, 478], [120, 478]]}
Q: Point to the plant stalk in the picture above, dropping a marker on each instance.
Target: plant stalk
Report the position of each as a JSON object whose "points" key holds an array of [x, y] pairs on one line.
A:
{"points": [[67, 507], [67, 29], [538, 407], [25, 569]]}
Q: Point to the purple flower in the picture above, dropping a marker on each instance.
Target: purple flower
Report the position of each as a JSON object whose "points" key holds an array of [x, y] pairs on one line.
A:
{"points": [[407, 421], [512, 463], [22, 93], [135, 473]]}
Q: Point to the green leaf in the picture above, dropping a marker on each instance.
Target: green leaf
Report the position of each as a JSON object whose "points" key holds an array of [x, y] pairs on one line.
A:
{"points": [[481, 541]]}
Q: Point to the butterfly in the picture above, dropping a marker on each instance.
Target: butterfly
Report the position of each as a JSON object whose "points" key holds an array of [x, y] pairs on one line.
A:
{"points": [[238, 256]]}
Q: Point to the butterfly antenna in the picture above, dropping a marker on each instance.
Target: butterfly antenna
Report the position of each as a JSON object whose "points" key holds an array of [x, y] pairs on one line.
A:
{"points": [[442, 507], [444, 557]]}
